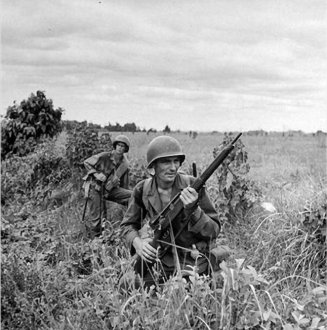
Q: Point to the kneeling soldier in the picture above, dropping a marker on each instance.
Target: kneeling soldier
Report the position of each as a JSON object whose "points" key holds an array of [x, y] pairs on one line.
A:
{"points": [[151, 196]]}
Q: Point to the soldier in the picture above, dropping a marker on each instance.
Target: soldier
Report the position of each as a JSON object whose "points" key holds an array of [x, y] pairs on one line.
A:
{"points": [[150, 196], [106, 179]]}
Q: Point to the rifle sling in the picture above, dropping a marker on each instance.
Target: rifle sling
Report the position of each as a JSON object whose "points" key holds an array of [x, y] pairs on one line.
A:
{"points": [[176, 236], [122, 168]]}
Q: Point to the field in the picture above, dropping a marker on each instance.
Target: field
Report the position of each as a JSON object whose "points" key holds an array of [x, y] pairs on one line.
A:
{"points": [[54, 278]]}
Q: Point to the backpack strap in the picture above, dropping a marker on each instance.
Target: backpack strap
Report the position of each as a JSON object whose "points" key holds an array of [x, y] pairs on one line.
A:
{"points": [[146, 186], [140, 193]]}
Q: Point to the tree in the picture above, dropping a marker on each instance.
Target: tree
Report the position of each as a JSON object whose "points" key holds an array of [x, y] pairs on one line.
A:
{"points": [[151, 130], [28, 122], [130, 127], [166, 130]]}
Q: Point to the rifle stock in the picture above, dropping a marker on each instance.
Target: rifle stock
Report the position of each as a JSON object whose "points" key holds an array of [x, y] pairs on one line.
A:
{"points": [[162, 221]]}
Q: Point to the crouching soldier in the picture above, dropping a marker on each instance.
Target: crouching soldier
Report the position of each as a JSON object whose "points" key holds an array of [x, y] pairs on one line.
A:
{"points": [[189, 242], [106, 180]]}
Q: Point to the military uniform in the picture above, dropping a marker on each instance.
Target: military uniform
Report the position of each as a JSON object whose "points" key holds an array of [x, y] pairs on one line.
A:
{"points": [[101, 169], [202, 229]]}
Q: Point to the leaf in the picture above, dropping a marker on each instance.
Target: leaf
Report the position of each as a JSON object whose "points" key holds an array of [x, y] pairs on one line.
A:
{"points": [[239, 263], [288, 327], [229, 180], [304, 321], [269, 207], [314, 323], [297, 316], [320, 290], [266, 315]]}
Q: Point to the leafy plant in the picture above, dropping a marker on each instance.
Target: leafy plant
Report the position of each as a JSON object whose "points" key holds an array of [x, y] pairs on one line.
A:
{"points": [[314, 221], [34, 176], [234, 194], [53, 278], [84, 142], [137, 172], [26, 123]]}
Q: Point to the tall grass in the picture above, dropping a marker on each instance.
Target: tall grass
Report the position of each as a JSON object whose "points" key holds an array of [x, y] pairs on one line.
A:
{"points": [[54, 278]]}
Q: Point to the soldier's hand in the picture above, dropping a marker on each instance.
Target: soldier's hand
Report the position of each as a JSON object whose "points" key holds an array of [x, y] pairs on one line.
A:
{"points": [[189, 197], [144, 249], [100, 176]]}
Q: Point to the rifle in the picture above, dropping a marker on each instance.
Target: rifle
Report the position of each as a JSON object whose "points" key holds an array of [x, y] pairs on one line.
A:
{"points": [[122, 168], [161, 222], [194, 171]]}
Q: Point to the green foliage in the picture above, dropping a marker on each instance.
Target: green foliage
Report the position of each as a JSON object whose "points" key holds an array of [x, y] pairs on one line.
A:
{"points": [[21, 295], [314, 220], [234, 194], [166, 130], [297, 246], [244, 303], [128, 127], [84, 142], [70, 125], [249, 301], [137, 172], [27, 123], [34, 176], [54, 279]]}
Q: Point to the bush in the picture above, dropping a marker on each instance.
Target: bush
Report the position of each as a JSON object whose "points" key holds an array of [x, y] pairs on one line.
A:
{"points": [[34, 176], [233, 193], [83, 142], [27, 123]]}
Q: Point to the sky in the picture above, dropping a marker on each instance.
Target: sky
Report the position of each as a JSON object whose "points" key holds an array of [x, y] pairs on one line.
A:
{"points": [[206, 65]]}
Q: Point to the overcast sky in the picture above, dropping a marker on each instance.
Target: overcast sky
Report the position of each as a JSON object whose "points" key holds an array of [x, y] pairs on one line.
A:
{"points": [[194, 65]]}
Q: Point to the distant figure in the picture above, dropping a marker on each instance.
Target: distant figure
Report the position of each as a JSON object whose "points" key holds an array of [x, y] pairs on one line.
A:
{"points": [[150, 196], [106, 179]]}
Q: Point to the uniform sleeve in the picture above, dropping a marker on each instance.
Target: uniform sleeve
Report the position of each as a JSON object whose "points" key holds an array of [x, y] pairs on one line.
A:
{"points": [[90, 163], [96, 165], [132, 220], [204, 220]]}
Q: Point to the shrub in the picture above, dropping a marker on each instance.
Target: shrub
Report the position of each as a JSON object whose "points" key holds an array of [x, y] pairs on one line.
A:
{"points": [[233, 193], [34, 176], [84, 142], [137, 172], [27, 123]]}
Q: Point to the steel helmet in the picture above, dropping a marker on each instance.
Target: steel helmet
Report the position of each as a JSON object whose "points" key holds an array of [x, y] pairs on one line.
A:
{"points": [[163, 146], [123, 139]]}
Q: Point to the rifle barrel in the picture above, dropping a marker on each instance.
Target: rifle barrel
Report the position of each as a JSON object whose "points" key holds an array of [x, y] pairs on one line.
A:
{"points": [[237, 137], [215, 164]]}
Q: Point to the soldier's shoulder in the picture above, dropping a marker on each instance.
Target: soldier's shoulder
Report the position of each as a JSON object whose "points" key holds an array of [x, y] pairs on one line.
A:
{"points": [[139, 185], [138, 191], [103, 154], [143, 184]]}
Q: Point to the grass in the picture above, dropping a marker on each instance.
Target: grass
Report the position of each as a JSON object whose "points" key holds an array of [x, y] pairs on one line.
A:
{"points": [[52, 278]]}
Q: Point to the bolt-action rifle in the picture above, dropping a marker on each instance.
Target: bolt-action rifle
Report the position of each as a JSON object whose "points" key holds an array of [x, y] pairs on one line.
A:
{"points": [[161, 222]]}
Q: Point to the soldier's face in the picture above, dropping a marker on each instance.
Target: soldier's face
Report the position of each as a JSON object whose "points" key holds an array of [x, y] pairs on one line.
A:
{"points": [[166, 169], [120, 147]]}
